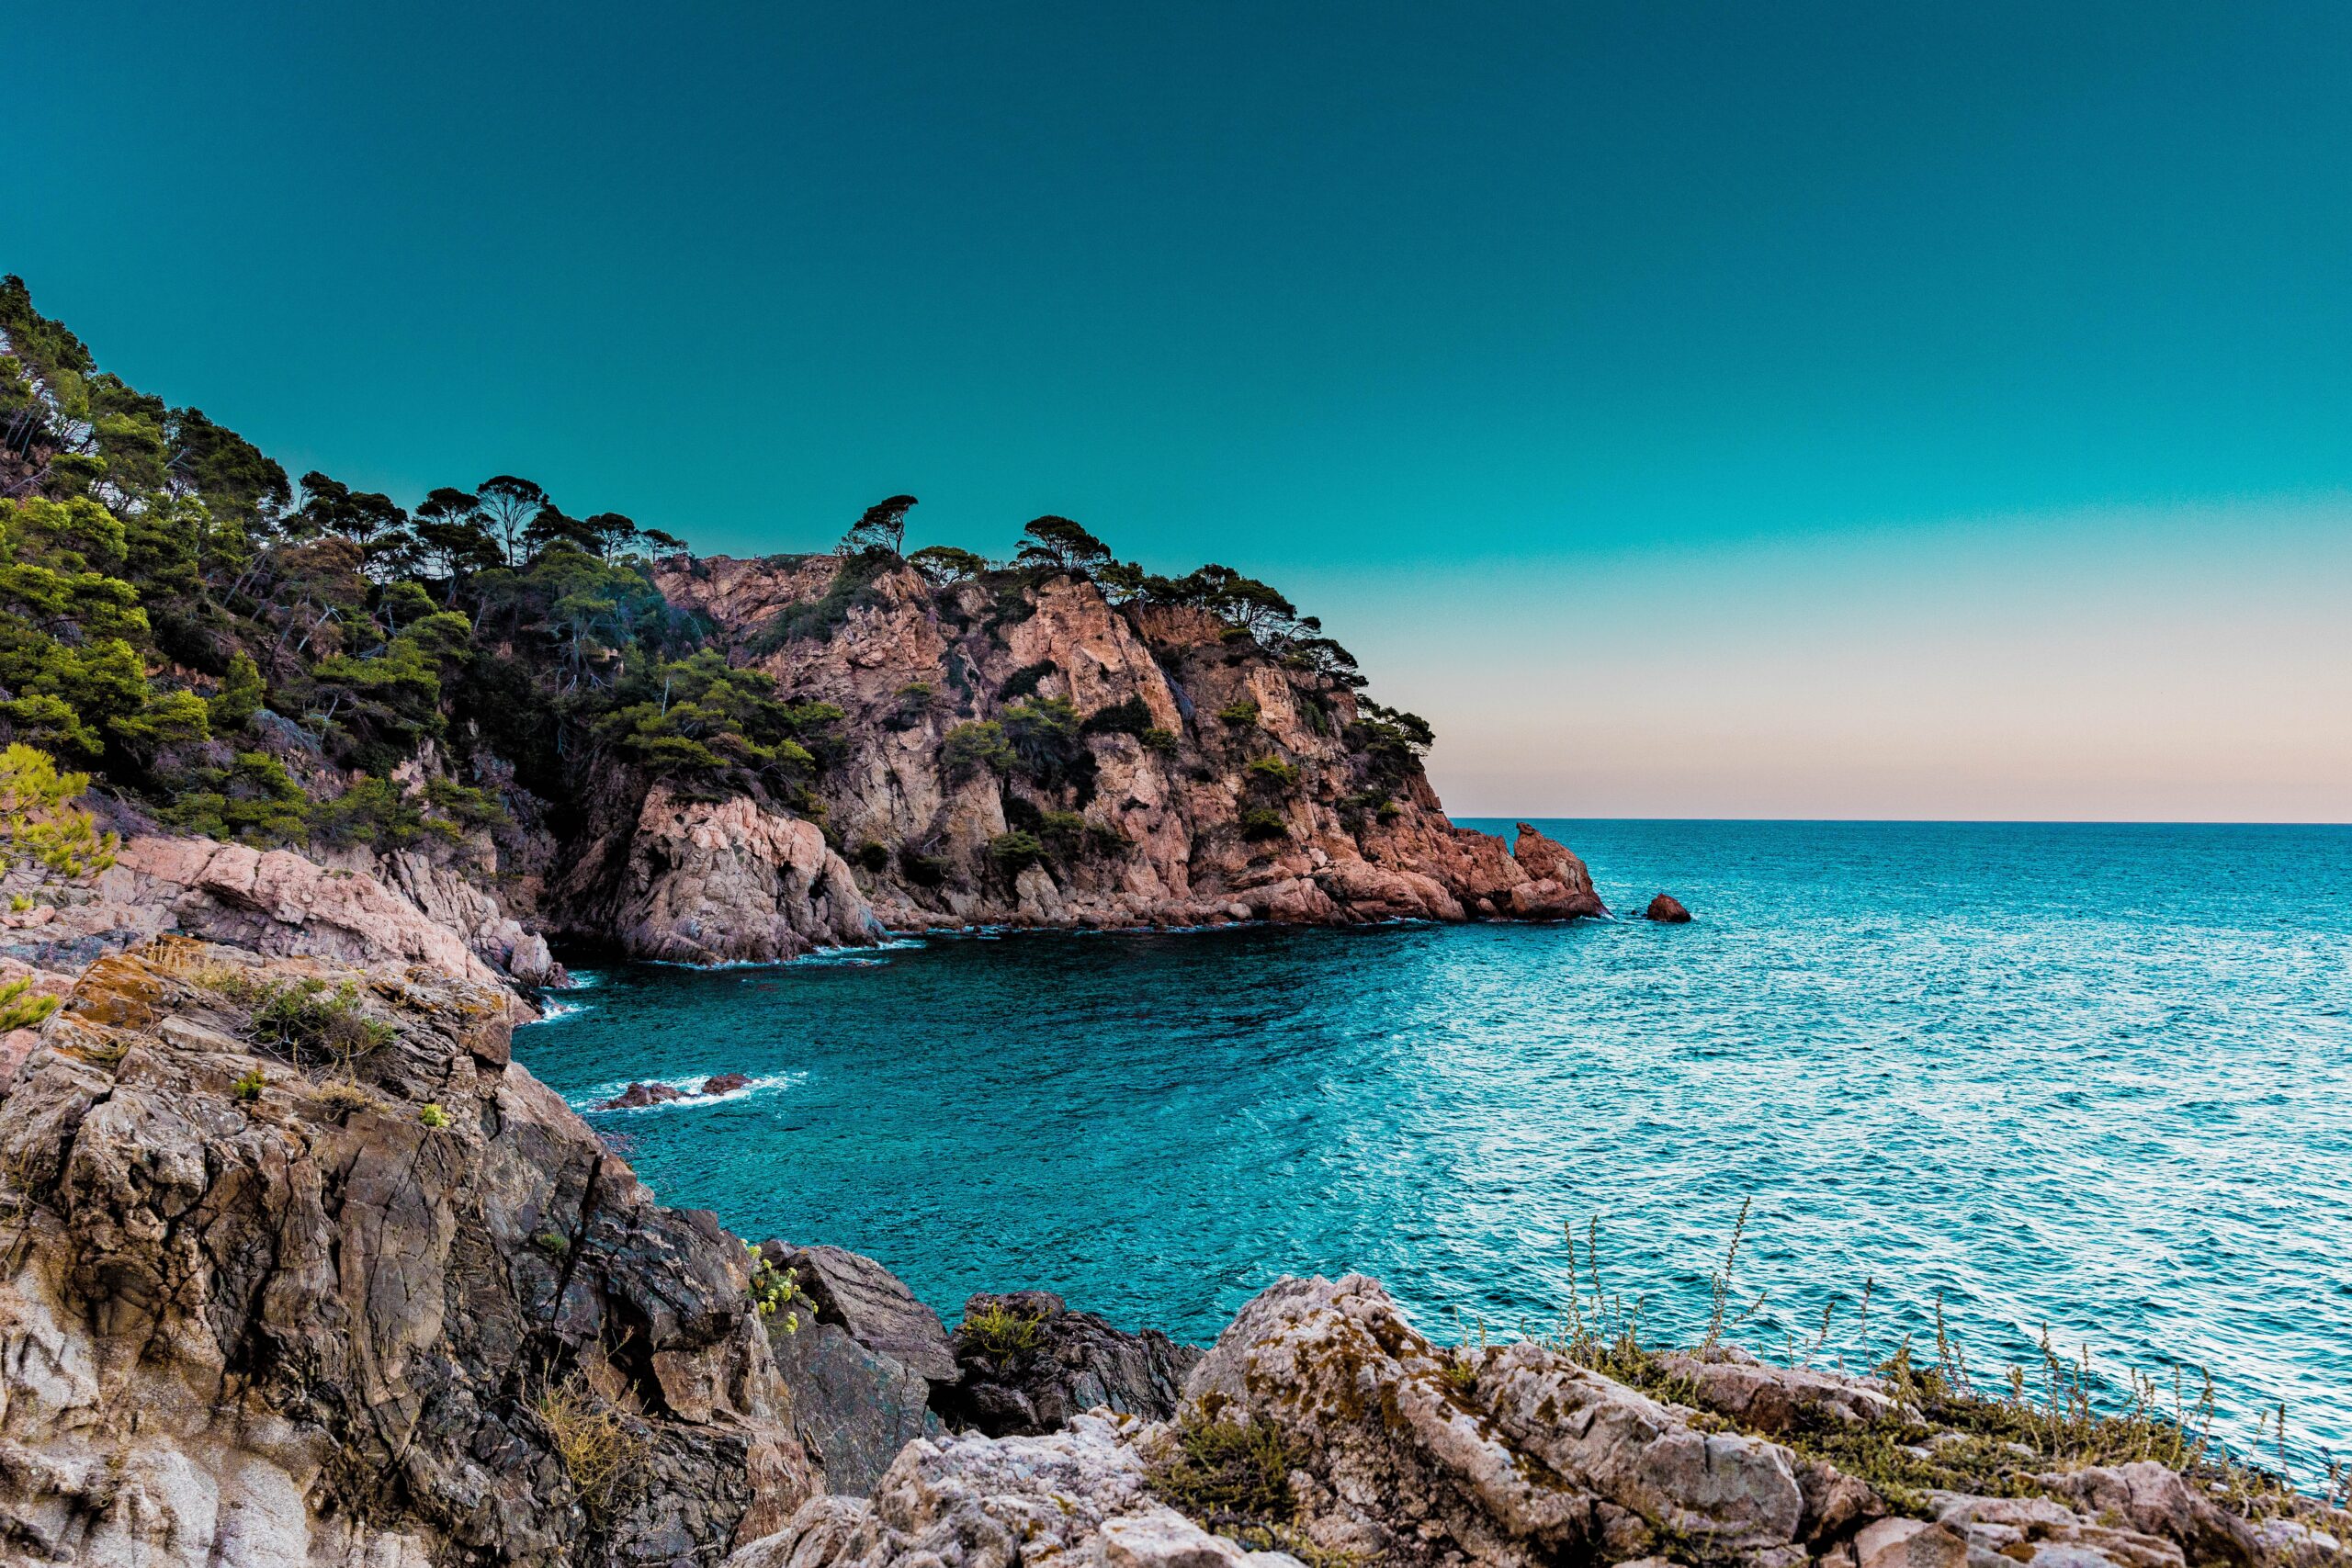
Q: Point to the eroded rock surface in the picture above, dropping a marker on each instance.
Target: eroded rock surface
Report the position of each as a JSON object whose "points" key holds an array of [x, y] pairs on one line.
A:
{"points": [[1079, 1495], [1077, 1362], [1205, 779], [301, 1301]]}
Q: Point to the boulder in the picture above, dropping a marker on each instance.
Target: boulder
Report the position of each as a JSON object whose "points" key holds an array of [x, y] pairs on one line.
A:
{"points": [[1776, 1400], [1077, 1362], [1529, 1459], [1668, 910], [1547, 859], [871, 1304], [725, 1083], [1076, 1497], [1908, 1543], [2154, 1501], [732, 881], [853, 1408]]}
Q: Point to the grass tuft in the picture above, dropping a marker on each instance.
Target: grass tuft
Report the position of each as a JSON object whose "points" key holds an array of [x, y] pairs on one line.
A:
{"points": [[602, 1456], [1000, 1331]]}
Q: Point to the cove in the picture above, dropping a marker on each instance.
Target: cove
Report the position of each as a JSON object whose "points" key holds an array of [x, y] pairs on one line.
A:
{"points": [[2083, 1076]]}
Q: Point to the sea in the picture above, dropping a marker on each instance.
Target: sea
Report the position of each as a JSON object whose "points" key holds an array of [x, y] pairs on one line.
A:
{"points": [[2080, 1086]]}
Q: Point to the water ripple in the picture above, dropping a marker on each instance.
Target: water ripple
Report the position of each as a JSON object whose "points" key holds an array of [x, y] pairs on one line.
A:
{"points": [[2094, 1078]]}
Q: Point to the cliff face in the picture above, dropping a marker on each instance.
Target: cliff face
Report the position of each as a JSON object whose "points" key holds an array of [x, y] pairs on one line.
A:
{"points": [[299, 1270], [1029, 753]]}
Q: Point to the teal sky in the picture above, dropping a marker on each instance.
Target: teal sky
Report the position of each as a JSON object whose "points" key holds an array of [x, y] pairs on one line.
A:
{"points": [[1795, 410]]}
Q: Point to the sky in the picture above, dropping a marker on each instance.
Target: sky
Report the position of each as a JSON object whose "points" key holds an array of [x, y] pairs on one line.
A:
{"points": [[1913, 410]]}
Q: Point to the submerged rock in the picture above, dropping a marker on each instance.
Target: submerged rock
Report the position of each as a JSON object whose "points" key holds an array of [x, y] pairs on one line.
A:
{"points": [[1056, 1363]]}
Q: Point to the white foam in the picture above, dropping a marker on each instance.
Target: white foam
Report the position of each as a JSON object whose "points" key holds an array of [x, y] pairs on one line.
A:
{"points": [[689, 1087]]}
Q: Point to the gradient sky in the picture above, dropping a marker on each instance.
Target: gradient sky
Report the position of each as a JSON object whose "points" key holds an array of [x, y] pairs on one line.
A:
{"points": [[1802, 410]]}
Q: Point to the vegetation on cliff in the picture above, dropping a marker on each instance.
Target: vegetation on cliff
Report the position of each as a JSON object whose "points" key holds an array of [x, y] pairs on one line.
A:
{"points": [[290, 661]]}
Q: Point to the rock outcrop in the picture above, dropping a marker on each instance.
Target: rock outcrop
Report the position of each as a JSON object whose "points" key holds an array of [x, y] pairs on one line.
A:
{"points": [[276, 902], [1079, 1495], [865, 1363], [1324, 1426], [1668, 910], [1063, 1363], [299, 1268], [1161, 768], [732, 881]]}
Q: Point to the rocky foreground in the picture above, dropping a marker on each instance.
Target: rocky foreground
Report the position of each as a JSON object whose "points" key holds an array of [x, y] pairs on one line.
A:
{"points": [[300, 1269]]}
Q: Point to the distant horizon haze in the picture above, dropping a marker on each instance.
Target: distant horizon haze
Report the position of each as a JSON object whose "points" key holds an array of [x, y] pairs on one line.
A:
{"points": [[1828, 410]]}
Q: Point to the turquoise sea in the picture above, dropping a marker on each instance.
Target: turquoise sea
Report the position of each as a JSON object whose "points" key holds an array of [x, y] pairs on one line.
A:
{"points": [[2096, 1078]]}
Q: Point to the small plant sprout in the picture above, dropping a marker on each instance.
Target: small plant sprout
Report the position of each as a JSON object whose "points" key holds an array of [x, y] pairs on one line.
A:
{"points": [[248, 1087], [432, 1115]]}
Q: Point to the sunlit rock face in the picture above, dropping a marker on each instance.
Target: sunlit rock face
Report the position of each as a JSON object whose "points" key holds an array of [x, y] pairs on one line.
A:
{"points": [[1155, 767]]}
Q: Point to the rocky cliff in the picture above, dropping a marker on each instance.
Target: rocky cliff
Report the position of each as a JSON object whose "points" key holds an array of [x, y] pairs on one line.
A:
{"points": [[1018, 749]]}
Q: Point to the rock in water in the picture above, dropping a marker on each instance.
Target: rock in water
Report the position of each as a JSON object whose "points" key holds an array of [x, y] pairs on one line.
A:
{"points": [[637, 1096], [725, 1083], [1073, 1361], [1666, 908], [384, 1302]]}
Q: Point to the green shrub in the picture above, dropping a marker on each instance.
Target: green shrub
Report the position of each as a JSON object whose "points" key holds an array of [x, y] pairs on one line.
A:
{"points": [[820, 618], [249, 1086], [1069, 836], [1264, 822], [777, 1294], [239, 697], [975, 746], [871, 855], [254, 800], [1271, 773], [40, 819], [1023, 682], [912, 706], [924, 870], [1043, 733], [1230, 1470], [1128, 717], [1000, 1331], [20, 1010], [304, 1015], [1162, 740], [1015, 848], [552, 1242], [1243, 712], [432, 1115]]}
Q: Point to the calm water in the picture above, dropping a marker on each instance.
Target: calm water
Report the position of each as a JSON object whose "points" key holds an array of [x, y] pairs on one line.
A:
{"points": [[2098, 1077]]}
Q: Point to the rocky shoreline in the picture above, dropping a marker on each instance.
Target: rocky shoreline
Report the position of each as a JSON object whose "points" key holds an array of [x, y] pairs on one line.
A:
{"points": [[302, 1268]]}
